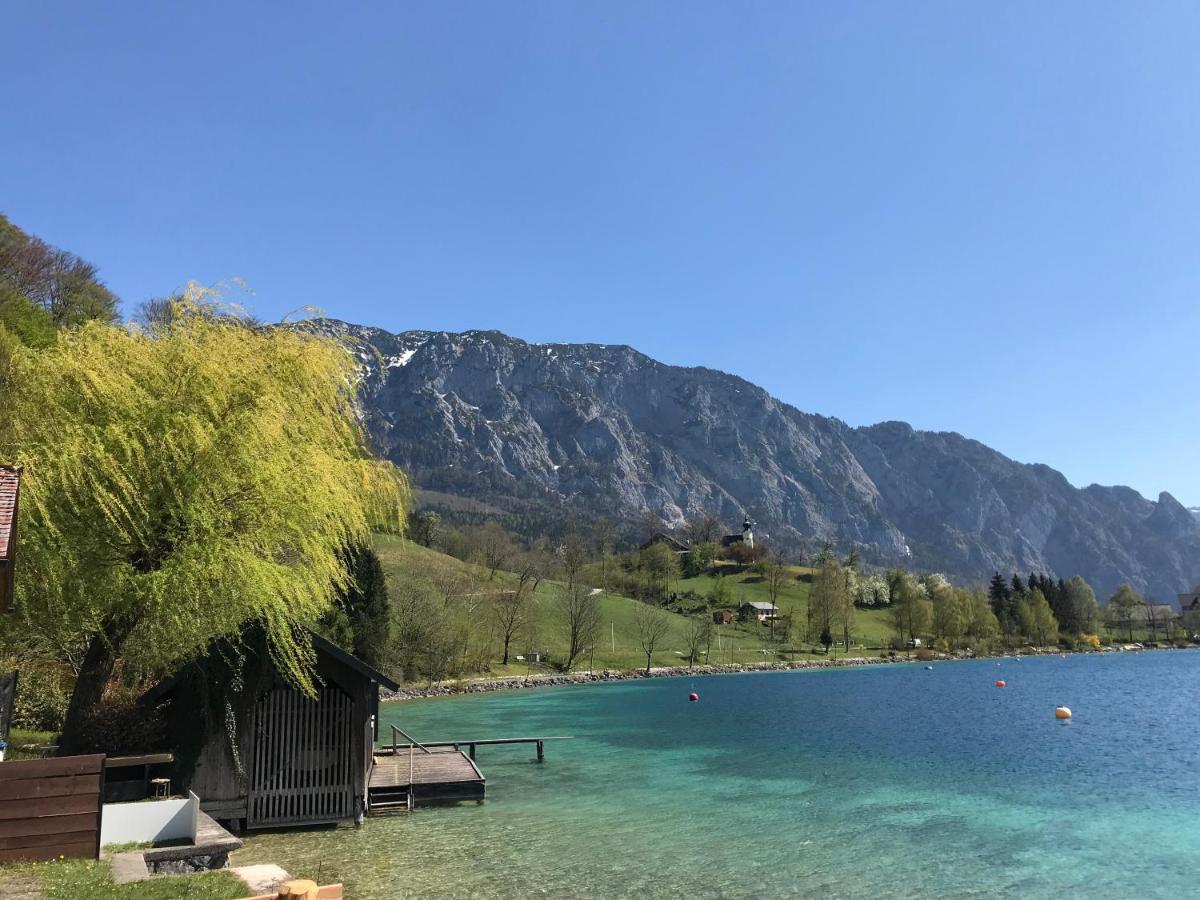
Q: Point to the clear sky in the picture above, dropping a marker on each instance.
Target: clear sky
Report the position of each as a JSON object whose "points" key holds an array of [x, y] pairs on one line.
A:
{"points": [[975, 217]]}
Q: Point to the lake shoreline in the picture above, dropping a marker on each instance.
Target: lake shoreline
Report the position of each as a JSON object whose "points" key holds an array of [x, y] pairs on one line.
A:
{"points": [[563, 679], [544, 680]]}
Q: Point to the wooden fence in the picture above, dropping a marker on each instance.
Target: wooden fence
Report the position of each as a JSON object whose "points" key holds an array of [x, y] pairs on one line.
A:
{"points": [[51, 807]]}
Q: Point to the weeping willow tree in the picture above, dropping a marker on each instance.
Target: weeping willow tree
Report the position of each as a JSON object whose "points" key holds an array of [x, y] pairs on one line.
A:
{"points": [[182, 481]]}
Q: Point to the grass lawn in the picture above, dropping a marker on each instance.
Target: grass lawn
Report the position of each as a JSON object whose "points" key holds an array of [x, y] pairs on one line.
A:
{"points": [[871, 627], [23, 737], [617, 647], [73, 879]]}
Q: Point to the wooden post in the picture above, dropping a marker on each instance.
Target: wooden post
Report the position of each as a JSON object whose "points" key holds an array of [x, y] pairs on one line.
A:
{"points": [[541, 748], [471, 750], [300, 889]]}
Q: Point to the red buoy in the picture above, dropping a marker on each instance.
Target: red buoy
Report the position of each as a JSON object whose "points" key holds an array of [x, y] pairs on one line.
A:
{"points": [[693, 696], [999, 684]]}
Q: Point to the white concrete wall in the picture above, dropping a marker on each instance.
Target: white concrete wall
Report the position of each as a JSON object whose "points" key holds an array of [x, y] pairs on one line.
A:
{"points": [[150, 820]]}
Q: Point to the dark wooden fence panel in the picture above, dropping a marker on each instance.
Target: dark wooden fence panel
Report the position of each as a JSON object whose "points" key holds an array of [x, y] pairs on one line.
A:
{"points": [[51, 807]]}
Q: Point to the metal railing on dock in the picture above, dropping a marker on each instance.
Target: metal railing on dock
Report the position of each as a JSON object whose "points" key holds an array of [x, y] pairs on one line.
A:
{"points": [[413, 744], [472, 744]]}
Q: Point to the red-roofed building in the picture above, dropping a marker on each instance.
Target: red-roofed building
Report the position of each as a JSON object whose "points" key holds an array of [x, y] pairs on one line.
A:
{"points": [[10, 490]]}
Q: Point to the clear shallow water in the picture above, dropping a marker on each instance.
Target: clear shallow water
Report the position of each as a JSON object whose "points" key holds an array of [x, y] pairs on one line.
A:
{"points": [[886, 780]]}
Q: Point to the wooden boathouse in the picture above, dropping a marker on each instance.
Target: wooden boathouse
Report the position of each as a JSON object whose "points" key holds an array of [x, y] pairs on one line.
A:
{"points": [[269, 756], [276, 757], [259, 753]]}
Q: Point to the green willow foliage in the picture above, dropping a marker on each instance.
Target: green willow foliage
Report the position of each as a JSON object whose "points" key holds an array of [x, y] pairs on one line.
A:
{"points": [[185, 480]]}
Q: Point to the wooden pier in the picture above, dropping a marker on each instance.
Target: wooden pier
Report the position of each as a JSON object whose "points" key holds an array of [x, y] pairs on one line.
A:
{"points": [[405, 774]]}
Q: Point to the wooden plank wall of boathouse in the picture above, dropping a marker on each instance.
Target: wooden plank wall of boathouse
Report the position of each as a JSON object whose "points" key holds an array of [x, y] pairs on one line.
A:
{"points": [[51, 807], [302, 768]]}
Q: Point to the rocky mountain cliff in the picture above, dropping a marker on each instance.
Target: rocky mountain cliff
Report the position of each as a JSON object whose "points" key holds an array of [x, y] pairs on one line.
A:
{"points": [[589, 429]]}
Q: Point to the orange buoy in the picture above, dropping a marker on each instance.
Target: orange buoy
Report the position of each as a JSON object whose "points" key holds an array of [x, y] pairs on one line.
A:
{"points": [[1000, 684], [1062, 712], [693, 696]]}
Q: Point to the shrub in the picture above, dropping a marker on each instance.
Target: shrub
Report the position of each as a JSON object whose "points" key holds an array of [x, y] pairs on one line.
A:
{"points": [[924, 654], [43, 691], [119, 724], [1089, 642]]}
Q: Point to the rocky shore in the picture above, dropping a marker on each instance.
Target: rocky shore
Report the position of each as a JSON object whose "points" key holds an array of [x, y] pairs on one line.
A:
{"points": [[485, 685]]}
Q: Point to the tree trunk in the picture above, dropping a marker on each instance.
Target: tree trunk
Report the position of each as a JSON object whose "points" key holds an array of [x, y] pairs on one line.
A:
{"points": [[94, 675], [507, 640]]}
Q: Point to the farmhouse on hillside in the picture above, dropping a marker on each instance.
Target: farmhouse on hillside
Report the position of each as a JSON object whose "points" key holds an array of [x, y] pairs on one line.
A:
{"points": [[764, 612], [1189, 606], [671, 543]]}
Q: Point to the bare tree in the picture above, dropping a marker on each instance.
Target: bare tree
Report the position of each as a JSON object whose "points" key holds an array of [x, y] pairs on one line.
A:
{"points": [[699, 634], [580, 619], [652, 626], [704, 528], [66, 286], [1157, 615], [774, 572], [509, 611], [492, 545], [603, 536], [542, 563], [158, 312], [572, 556], [649, 524]]}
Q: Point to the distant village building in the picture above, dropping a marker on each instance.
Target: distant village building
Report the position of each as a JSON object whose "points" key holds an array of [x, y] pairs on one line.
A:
{"points": [[764, 612], [670, 542], [722, 617], [10, 489], [1189, 607], [746, 537]]}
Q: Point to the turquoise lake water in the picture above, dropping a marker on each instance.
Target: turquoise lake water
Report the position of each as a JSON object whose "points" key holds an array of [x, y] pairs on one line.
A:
{"points": [[886, 780]]}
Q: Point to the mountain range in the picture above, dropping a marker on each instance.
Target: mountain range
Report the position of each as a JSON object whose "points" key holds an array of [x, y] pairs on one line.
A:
{"points": [[546, 432]]}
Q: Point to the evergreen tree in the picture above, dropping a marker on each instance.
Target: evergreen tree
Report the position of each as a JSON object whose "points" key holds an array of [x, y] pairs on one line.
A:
{"points": [[998, 594], [365, 602]]}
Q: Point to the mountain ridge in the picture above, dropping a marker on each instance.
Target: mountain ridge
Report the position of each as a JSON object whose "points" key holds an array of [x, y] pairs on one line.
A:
{"points": [[605, 429]]}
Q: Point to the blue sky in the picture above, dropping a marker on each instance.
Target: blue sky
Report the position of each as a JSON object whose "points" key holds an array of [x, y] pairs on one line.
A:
{"points": [[974, 217]]}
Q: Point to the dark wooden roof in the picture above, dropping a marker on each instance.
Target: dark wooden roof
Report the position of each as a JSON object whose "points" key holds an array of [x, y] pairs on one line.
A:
{"points": [[320, 644], [349, 659], [661, 537]]}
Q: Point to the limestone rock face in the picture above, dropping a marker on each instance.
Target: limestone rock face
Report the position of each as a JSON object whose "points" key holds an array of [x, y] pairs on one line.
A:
{"points": [[579, 430]]}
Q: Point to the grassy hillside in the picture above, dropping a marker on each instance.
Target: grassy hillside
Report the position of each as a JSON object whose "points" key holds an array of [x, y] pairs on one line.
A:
{"points": [[871, 627], [617, 646]]}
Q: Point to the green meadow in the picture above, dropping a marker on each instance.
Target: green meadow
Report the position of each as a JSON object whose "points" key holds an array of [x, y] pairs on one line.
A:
{"points": [[617, 645]]}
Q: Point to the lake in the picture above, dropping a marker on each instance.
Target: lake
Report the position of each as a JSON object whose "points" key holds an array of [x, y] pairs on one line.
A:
{"points": [[886, 780]]}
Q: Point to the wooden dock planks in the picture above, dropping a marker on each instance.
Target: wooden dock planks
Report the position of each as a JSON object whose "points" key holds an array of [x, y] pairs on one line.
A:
{"points": [[441, 774]]}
